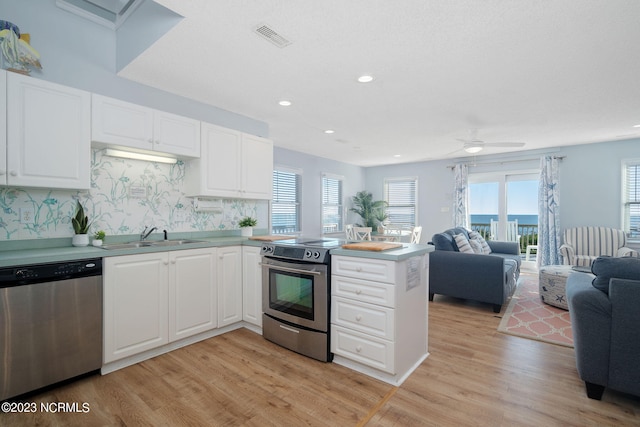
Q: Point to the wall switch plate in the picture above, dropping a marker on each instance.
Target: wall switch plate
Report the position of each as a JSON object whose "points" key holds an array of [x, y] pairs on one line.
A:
{"points": [[26, 216]]}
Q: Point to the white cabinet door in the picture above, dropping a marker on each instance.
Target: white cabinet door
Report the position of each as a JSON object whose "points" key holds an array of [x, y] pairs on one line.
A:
{"points": [[192, 292], [232, 164], [3, 127], [257, 167], [48, 134], [251, 285], [229, 281], [121, 123], [215, 173], [176, 134], [135, 304]]}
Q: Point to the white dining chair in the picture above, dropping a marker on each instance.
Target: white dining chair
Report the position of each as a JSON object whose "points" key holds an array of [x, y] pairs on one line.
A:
{"points": [[348, 229], [361, 233], [393, 232], [416, 232]]}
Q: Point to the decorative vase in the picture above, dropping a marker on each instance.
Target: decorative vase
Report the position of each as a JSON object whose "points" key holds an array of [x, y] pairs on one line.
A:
{"points": [[97, 242], [246, 231], [80, 240]]}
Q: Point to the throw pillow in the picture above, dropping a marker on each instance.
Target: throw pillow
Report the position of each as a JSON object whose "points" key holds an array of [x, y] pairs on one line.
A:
{"points": [[476, 246], [474, 235], [463, 244], [606, 267]]}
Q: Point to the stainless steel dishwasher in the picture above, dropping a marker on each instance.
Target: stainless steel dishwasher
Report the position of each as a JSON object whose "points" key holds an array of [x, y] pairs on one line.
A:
{"points": [[50, 324]]}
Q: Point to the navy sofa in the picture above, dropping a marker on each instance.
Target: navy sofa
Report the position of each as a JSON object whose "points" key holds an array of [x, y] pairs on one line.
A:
{"points": [[605, 323], [489, 278]]}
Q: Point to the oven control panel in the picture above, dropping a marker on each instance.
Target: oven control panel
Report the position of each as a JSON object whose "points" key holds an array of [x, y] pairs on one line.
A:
{"points": [[318, 255]]}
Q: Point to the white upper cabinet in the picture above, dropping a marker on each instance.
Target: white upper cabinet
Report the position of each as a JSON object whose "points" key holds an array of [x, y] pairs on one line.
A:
{"points": [[3, 127], [232, 164], [123, 124], [48, 134]]}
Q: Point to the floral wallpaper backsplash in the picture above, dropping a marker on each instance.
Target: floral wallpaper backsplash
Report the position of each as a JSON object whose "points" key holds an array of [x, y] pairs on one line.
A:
{"points": [[125, 196]]}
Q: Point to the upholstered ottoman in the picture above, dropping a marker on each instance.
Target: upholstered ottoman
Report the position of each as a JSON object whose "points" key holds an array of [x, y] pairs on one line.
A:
{"points": [[552, 281]]}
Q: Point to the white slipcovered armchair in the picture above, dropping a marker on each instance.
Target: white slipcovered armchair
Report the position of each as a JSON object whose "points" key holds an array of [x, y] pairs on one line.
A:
{"points": [[582, 245]]}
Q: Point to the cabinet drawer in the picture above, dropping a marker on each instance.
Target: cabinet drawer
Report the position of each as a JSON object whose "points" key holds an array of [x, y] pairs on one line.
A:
{"points": [[374, 352], [364, 268], [365, 291], [368, 318]]}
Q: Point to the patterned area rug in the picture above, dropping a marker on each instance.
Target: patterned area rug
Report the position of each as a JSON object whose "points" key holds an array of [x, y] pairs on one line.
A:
{"points": [[528, 317]]}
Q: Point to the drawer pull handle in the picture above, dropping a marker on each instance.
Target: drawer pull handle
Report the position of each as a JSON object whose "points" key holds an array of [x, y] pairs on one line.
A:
{"points": [[358, 291], [358, 349], [358, 269], [359, 317]]}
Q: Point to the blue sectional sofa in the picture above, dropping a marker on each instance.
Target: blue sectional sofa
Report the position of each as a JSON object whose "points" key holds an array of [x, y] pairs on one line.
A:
{"points": [[489, 278], [605, 320]]}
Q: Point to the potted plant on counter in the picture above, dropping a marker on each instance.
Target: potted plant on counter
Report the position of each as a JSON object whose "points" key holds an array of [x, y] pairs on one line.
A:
{"points": [[246, 225], [81, 225], [98, 238]]}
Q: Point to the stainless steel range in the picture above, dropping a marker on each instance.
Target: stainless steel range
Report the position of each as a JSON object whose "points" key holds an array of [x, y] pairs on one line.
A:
{"points": [[296, 289]]}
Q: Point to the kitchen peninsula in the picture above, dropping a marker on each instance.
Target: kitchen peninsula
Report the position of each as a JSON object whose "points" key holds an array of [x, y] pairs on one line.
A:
{"points": [[379, 310]]}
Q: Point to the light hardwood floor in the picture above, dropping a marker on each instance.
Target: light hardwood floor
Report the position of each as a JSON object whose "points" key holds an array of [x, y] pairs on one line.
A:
{"points": [[474, 376]]}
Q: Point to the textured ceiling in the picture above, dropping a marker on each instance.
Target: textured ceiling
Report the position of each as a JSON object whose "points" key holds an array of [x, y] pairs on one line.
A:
{"points": [[543, 72]]}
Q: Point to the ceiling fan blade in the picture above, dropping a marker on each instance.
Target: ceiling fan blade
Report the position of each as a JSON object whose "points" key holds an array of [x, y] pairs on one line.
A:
{"points": [[504, 144]]}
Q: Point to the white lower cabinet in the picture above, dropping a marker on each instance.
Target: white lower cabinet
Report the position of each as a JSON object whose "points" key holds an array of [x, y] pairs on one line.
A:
{"points": [[229, 278], [157, 298], [379, 315], [193, 302], [135, 304], [251, 285]]}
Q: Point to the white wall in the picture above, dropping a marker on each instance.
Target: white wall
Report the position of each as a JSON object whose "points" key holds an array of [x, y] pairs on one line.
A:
{"points": [[82, 54], [312, 169], [590, 183]]}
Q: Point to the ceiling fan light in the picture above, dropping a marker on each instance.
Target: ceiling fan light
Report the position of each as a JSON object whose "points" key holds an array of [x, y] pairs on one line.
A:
{"points": [[472, 149]]}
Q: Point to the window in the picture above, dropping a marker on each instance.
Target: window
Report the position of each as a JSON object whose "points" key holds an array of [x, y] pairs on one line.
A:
{"points": [[505, 198], [631, 199], [285, 207], [401, 196], [331, 203]]}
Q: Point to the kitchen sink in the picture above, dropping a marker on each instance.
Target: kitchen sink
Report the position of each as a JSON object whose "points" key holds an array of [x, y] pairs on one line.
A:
{"points": [[149, 244]]}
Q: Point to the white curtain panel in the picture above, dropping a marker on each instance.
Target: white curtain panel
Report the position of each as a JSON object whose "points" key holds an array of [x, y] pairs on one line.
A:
{"points": [[549, 238], [461, 196]]}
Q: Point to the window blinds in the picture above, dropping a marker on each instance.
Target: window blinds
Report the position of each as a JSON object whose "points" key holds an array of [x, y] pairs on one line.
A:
{"points": [[285, 206], [632, 199], [400, 195]]}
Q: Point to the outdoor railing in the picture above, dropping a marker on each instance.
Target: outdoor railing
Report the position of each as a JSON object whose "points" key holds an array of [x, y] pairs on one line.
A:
{"points": [[528, 233]]}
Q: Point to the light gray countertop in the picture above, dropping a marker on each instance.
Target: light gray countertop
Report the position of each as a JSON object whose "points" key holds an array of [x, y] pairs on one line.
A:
{"points": [[407, 250], [29, 252]]}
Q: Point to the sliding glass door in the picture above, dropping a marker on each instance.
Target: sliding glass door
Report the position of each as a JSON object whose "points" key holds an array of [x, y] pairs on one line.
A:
{"points": [[505, 206]]}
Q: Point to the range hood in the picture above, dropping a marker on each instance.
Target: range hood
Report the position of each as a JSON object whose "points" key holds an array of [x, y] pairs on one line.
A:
{"points": [[110, 13]]}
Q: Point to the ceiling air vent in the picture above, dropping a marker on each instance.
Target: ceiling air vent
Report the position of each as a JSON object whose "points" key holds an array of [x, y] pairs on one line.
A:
{"points": [[271, 35]]}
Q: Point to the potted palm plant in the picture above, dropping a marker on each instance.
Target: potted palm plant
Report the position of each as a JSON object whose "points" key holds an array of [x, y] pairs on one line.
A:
{"points": [[246, 225], [372, 212], [80, 223]]}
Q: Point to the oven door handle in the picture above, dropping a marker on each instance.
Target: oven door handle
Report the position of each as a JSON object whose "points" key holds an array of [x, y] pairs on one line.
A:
{"points": [[292, 270]]}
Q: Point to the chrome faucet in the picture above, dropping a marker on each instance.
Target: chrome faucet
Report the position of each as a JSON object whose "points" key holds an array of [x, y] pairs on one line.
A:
{"points": [[146, 233]]}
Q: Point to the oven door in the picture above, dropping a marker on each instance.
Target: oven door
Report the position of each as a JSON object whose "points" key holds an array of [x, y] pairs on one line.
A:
{"points": [[296, 292]]}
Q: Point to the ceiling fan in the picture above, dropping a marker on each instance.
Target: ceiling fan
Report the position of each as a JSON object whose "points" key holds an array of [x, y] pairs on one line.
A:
{"points": [[474, 145]]}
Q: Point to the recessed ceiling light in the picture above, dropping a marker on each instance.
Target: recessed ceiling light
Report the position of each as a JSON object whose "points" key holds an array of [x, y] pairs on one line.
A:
{"points": [[285, 103], [365, 79], [397, 155], [636, 126], [329, 131]]}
